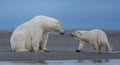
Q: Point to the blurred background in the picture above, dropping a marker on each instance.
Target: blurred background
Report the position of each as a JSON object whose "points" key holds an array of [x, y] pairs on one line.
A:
{"points": [[73, 14]]}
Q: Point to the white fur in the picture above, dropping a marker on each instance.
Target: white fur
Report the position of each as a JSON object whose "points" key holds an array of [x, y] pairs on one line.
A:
{"points": [[95, 37], [33, 35]]}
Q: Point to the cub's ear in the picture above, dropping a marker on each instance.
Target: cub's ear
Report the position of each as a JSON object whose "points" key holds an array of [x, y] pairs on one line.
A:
{"points": [[79, 33]]}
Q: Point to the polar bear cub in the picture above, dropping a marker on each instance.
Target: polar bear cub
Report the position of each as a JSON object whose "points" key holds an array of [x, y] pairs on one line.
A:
{"points": [[95, 37], [32, 35]]}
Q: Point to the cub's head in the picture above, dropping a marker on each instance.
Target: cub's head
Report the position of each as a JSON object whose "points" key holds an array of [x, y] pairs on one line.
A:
{"points": [[79, 34]]}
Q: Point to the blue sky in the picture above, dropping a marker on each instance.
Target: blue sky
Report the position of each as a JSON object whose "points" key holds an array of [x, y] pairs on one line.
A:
{"points": [[73, 14]]}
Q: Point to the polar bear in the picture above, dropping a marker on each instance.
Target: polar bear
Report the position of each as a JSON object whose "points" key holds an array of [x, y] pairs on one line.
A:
{"points": [[96, 37], [33, 35]]}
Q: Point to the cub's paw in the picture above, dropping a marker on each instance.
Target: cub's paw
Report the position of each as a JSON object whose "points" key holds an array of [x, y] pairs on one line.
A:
{"points": [[78, 50]]}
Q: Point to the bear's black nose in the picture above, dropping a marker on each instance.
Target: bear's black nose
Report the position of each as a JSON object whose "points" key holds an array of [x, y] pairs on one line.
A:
{"points": [[62, 33]]}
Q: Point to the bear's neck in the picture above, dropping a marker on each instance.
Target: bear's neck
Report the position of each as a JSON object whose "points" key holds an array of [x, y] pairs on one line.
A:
{"points": [[47, 28]]}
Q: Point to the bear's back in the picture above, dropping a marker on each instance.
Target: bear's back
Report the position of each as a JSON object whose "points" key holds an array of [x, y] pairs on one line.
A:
{"points": [[44, 18], [100, 35]]}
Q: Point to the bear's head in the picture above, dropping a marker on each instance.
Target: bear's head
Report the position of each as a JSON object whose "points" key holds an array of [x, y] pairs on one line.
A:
{"points": [[79, 34], [52, 25], [57, 28]]}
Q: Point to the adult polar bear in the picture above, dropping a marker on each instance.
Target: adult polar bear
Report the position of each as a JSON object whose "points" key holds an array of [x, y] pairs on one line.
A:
{"points": [[96, 37], [33, 35]]}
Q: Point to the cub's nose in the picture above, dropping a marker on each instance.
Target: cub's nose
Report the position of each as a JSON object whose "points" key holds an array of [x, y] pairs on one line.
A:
{"points": [[72, 35], [62, 33]]}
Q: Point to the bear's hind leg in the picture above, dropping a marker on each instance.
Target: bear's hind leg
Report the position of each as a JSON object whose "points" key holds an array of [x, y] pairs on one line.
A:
{"points": [[96, 48], [21, 50], [99, 48], [35, 47], [18, 41]]}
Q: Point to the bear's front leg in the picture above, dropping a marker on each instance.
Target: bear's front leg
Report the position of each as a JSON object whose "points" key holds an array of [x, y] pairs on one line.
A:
{"points": [[81, 45], [108, 48], [43, 42]]}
